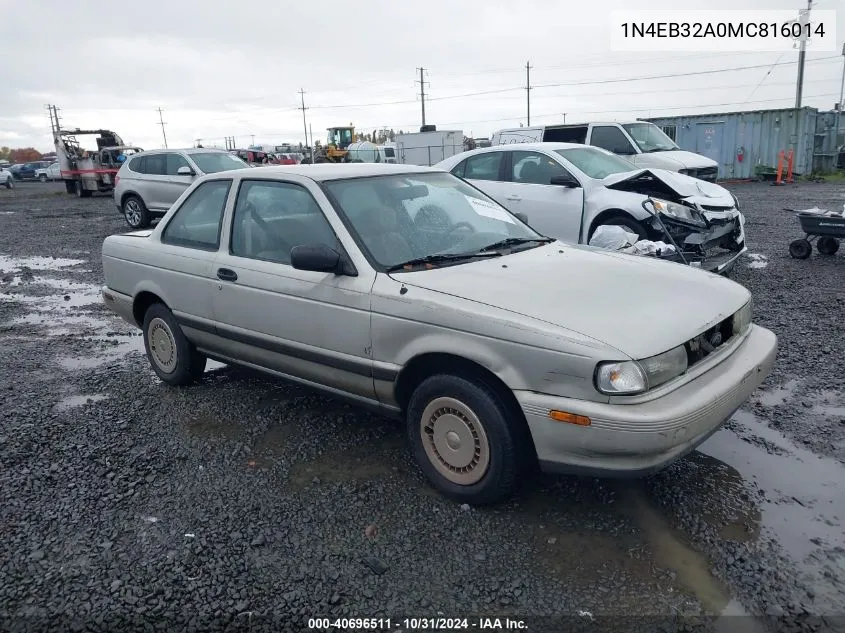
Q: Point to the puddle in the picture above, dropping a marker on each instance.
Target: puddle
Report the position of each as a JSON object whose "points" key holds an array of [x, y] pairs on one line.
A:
{"points": [[11, 264], [829, 403], [207, 425], [77, 401], [671, 551], [804, 503], [756, 260], [356, 465], [779, 395]]}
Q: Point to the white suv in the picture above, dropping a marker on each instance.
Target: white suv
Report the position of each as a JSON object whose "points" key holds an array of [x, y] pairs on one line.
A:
{"points": [[148, 183]]}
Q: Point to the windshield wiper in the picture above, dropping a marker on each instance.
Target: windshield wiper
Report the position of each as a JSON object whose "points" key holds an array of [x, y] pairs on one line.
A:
{"points": [[514, 241], [442, 257]]}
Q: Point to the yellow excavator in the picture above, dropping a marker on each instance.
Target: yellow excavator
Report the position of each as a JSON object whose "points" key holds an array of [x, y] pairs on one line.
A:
{"points": [[336, 149]]}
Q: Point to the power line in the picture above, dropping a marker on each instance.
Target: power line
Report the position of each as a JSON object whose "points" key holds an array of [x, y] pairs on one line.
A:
{"points": [[162, 124]]}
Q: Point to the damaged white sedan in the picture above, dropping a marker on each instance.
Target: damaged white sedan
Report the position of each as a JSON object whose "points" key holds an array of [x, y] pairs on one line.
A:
{"points": [[568, 191]]}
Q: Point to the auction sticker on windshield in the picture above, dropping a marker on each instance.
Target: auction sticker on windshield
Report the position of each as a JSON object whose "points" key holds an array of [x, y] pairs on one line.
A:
{"points": [[482, 207]]}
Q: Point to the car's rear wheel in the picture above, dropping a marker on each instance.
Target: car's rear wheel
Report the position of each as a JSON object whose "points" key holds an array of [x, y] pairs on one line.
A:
{"points": [[172, 356], [467, 441], [136, 213]]}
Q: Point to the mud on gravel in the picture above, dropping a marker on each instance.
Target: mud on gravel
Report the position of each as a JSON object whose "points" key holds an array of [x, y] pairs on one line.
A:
{"points": [[245, 503]]}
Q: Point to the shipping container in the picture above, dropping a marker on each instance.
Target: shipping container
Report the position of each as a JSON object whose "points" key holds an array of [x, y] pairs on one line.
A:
{"points": [[746, 143]]}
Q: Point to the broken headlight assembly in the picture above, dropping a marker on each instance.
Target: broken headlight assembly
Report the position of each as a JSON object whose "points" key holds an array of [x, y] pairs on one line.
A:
{"points": [[678, 211], [633, 377]]}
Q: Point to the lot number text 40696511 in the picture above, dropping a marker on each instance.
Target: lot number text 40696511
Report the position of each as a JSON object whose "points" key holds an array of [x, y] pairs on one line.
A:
{"points": [[722, 30], [415, 624]]}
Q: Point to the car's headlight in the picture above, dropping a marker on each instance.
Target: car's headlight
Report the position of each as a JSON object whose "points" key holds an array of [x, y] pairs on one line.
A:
{"points": [[742, 318], [736, 202], [686, 172], [678, 211], [632, 377]]}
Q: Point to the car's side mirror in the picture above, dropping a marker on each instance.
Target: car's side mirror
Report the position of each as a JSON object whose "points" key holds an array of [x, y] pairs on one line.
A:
{"points": [[521, 217], [318, 258], [564, 181], [184, 170]]}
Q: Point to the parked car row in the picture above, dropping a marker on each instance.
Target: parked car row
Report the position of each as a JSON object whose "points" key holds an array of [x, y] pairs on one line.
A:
{"points": [[52, 172], [27, 171], [412, 291]]}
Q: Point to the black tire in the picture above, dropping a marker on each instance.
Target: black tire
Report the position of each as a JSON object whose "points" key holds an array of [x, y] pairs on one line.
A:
{"points": [[502, 431], [81, 191], [173, 357], [800, 249], [10, 183], [827, 245], [70, 186], [135, 212], [625, 221], [43, 178]]}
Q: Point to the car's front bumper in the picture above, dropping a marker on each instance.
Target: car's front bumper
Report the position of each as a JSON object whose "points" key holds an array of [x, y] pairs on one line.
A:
{"points": [[715, 248], [640, 439]]}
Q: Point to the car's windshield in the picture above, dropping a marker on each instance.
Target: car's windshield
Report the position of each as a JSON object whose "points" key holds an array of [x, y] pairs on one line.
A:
{"points": [[595, 162], [649, 137], [399, 218], [213, 162]]}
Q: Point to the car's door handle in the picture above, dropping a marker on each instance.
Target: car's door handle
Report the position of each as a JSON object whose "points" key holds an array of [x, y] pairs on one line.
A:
{"points": [[514, 198], [226, 274]]}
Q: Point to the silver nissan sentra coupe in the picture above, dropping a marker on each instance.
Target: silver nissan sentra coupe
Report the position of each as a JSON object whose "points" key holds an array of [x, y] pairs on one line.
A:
{"points": [[407, 289]]}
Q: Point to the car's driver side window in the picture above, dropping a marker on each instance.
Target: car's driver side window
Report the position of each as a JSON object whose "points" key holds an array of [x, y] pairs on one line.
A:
{"points": [[272, 217], [535, 168]]}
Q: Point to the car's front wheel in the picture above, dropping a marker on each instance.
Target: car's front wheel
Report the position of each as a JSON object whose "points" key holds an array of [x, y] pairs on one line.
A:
{"points": [[172, 356], [136, 213], [10, 183], [467, 440], [625, 221], [43, 177]]}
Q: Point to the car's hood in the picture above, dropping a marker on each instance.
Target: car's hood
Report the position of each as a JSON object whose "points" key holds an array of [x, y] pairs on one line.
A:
{"points": [[679, 159], [685, 187], [638, 305]]}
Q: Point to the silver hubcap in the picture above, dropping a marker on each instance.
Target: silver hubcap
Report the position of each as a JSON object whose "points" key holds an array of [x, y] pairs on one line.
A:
{"points": [[455, 441], [162, 346], [133, 212]]}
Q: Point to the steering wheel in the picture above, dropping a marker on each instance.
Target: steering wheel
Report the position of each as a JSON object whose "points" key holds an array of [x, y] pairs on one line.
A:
{"points": [[461, 225], [269, 230]]}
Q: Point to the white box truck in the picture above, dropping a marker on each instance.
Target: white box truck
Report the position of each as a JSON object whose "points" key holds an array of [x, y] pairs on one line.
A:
{"points": [[428, 148], [641, 142]]}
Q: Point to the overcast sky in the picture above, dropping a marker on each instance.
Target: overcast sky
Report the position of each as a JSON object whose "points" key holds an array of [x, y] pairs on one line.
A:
{"points": [[225, 69]]}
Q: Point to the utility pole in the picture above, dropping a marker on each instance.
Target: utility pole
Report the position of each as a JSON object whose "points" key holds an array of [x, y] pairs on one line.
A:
{"points": [[304, 125], [422, 83], [162, 124], [841, 95], [528, 89], [253, 139], [803, 20]]}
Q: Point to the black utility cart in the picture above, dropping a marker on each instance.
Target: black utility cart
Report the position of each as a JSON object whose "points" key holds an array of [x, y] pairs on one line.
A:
{"points": [[828, 229]]}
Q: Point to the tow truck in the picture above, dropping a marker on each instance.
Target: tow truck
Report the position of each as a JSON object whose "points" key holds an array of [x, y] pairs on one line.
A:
{"points": [[86, 171]]}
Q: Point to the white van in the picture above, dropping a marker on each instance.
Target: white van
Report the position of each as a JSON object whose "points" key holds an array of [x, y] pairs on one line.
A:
{"points": [[641, 142]]}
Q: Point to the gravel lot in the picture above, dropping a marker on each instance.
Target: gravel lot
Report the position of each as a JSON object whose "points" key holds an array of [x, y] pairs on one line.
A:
{"points": [[255, 505]]}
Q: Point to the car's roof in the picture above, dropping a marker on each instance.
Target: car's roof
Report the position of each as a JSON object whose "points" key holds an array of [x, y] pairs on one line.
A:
{"points": [[516, 147], [335, 171]]}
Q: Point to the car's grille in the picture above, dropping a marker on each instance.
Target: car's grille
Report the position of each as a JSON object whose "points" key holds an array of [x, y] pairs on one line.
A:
{"points": [[701, 346], [705, 173]]}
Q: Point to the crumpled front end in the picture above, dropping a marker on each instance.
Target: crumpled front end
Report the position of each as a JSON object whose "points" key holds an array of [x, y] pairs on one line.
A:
{"points": [[715, 246]]}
